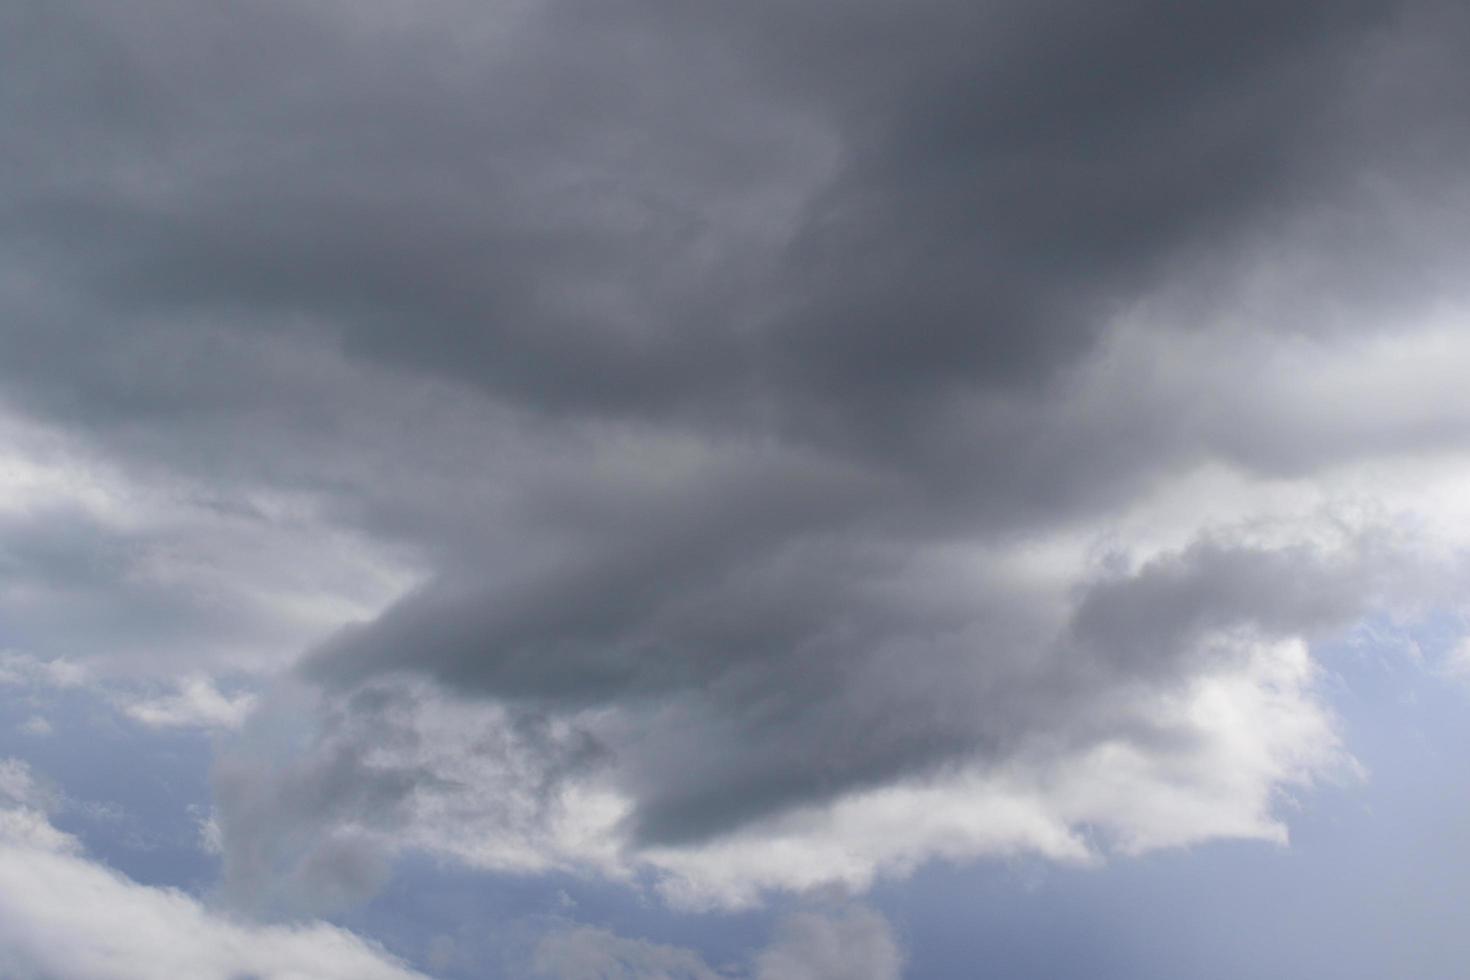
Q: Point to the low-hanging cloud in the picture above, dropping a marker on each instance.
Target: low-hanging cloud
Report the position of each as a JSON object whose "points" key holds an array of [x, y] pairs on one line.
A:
{"points": [[791, 443]]}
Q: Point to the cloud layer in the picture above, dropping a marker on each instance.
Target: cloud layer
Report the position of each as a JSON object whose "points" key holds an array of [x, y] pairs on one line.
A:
{"points": [[758, 447]]}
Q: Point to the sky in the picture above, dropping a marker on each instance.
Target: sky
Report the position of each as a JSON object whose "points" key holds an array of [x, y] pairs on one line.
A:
{"points": [[787, 490]]}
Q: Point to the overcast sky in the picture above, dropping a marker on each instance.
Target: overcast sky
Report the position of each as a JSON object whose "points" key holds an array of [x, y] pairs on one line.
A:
{"points": [[764, 490]]}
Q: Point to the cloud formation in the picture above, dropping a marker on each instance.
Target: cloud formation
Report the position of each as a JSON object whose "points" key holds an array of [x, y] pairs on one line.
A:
{"points": [[764, 446], [63, 914]]}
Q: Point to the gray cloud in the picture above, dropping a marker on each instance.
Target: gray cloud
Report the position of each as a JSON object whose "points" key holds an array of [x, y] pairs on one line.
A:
{"points": [[849, 943], [278, 858], [708, 368], [855, 942], [638, 210]]}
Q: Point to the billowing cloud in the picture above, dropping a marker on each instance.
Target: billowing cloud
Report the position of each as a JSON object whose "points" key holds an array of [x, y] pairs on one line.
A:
{"points": [[760, 447]]}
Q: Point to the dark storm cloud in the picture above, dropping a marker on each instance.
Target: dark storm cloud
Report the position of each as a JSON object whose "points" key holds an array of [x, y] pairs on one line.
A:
{"points": [[821, 272], [1011, 184], [555, 213], [834, 224], [540, 227]]}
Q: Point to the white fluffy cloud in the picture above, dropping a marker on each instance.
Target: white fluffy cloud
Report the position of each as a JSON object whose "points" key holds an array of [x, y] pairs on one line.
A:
{"points": [[196, 703]]}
